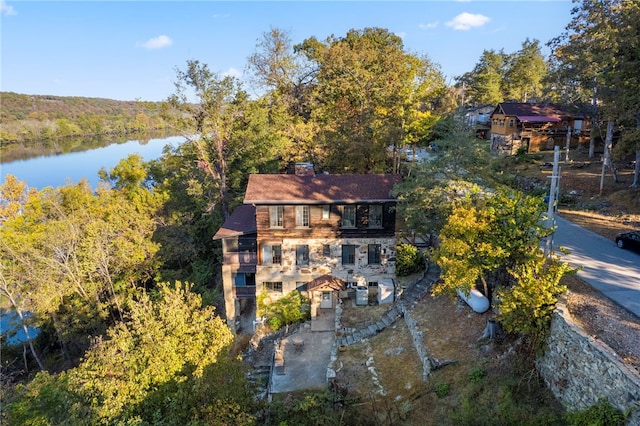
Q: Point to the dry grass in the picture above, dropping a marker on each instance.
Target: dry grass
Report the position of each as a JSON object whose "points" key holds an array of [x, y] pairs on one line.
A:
{"points": [[385, 375]]}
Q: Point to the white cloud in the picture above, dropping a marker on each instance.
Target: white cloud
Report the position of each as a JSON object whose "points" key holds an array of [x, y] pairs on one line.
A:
{"points": [[7, 10], [232, 72], [465, 21], [429, 25], [158, 42]]}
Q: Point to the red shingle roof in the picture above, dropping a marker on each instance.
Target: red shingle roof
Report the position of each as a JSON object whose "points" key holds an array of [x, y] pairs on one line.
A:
{"points": [[319, 189], [242, 221], [531, 110]]}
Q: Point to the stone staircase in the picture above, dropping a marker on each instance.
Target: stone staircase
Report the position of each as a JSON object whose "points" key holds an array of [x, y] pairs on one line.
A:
{"points": [[412, 294]]}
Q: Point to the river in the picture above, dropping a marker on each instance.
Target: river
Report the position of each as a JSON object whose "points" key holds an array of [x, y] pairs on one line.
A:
{"points": [[62, 168]]}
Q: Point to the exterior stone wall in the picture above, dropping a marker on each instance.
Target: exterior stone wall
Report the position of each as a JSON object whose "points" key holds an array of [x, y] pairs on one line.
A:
{"points": [[580, 370], [290, 274]]}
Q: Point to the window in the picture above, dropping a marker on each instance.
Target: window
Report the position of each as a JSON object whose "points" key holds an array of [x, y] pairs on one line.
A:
{"points": [[326, 212], [326, 250], [274, 287], [302, 216], [302, 254], [375, 216], [276, 213], [348, 216], [372, 284], [272, 254], [348, 254], [244, 279], [511, 122], [374, 254], [300, 286]]}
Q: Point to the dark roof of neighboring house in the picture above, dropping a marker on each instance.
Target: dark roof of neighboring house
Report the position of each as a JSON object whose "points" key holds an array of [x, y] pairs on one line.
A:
{"points": [[528, 110], [319, 189], [241, 222]]}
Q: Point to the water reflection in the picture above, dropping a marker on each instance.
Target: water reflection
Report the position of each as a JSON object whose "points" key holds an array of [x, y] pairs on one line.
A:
{"points": [[48, 147], [75, 160]]}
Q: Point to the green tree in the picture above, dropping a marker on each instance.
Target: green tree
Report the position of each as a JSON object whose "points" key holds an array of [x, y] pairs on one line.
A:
{"points": [[483, 85], [285, 78], [459, 166], [367, 86], [525, 72], [207, 123], [167, 363], [601, 48]]}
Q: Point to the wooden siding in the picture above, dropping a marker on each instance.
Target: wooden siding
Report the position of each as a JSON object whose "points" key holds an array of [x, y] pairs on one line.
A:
{"points": [[325, 228]]}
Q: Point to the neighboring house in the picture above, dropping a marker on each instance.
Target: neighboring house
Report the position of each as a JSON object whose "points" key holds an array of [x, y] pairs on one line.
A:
{"points": [[317, 234], [479, 119], [534, 126]]}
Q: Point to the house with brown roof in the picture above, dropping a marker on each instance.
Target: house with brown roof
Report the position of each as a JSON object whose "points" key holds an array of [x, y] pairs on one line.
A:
{"points": [[318, 234], [535, 127]]}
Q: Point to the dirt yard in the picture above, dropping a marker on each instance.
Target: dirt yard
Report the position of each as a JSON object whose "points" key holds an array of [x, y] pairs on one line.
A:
{"points": [[384, 374]]}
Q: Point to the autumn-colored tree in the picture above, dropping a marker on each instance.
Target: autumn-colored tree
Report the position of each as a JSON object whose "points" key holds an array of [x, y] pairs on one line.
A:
{"points": [[72, 256], [491, 240], [167, 363]]}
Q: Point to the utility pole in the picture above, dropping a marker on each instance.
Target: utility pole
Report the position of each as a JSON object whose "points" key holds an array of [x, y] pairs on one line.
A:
{"points": [[553, 197]]}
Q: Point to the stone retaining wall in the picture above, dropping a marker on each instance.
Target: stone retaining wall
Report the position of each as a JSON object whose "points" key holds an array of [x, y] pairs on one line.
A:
{"points": [[580, 370]]}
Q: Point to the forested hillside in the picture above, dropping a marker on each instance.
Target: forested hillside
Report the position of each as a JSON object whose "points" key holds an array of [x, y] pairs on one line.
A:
{"points": [[29, 117]]}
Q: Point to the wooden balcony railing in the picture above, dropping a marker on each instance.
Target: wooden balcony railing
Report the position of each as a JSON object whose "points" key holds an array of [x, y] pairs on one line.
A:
{"points": [[245, 291]]}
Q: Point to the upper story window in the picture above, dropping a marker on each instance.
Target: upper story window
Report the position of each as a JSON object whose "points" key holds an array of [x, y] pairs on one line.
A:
{"points": [[511, 122], [302, 254], [326, 250], [375, 216], [271, 254], [348, 254], [276, 215], [326, 211], [348, 216], [374, 254], [302, 216]]}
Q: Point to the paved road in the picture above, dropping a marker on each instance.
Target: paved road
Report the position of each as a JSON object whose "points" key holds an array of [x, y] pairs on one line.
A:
{"points": [[613, 271]]}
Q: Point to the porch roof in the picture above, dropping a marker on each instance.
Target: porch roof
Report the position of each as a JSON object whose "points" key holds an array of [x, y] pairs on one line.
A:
{"points": [[327, 282]]}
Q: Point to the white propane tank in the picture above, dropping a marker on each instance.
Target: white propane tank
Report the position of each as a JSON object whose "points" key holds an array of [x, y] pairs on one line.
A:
{"points": [[476, 300]]}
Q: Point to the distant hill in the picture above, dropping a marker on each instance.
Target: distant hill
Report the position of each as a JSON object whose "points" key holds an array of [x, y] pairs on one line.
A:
{"points": [[16, 106], [28, 117]]}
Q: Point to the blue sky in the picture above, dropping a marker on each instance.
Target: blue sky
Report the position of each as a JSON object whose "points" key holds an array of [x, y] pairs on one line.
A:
{"points": [[129, 50]]}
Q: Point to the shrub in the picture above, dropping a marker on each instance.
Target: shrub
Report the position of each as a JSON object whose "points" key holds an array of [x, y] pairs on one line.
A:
{"points": [[409, 260], [287, 310], [477, 374], [442, 389], [601, 413]]}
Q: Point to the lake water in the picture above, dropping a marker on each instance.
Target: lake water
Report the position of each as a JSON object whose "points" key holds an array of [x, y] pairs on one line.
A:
{"points": [[10, 324], [58, 170]]}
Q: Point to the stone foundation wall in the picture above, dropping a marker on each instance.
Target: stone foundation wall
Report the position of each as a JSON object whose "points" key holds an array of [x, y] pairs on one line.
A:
{"points": [[580, 370]]}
